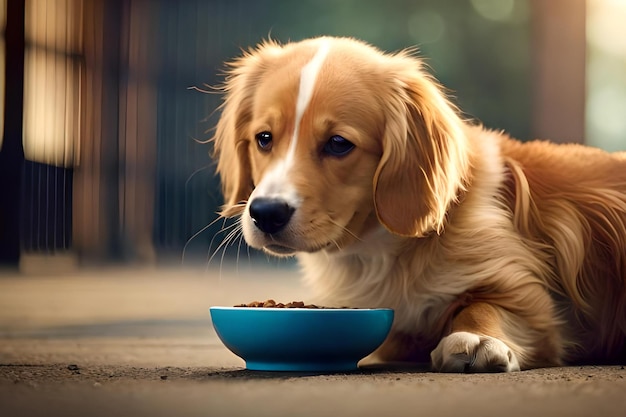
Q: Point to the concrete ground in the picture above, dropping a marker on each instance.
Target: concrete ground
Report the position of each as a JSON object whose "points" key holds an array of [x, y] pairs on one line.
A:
{"points": [[139, 342]]}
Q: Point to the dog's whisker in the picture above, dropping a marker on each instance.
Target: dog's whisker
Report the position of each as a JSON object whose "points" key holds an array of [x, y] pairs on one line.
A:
{"points": [[232, 234], [197, 171], [334, 242], [195, 235], [224, 229], [241, 242], [234, 230], [346, 230], [235, 238]]}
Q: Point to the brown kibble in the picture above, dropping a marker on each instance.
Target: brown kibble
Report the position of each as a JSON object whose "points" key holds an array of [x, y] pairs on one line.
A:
{"points": [[273, 304], [295, 304]]}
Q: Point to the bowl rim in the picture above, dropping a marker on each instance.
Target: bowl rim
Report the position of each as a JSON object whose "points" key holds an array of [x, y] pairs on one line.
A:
{"points": [[326, 309]]}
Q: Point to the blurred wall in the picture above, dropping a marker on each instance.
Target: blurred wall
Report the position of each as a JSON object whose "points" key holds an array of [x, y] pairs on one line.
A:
{"points": [[134, 181]]}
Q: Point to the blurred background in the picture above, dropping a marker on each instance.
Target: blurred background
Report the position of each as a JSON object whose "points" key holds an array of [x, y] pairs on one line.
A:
{"points": [[106, 119]]}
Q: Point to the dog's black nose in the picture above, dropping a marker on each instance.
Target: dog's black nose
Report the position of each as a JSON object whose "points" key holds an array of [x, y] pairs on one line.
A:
{"points": [[270, 214]]}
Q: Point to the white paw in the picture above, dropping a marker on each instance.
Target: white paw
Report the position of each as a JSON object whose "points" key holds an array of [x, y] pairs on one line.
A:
{"points": [[469, 352]]}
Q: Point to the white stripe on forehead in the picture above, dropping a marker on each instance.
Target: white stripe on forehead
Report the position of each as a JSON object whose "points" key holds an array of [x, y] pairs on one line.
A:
{"points": [[275, 183], [308, 76]]}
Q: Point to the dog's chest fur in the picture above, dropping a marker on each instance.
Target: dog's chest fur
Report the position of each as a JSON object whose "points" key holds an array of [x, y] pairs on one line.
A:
{"points": [[421, 290]]}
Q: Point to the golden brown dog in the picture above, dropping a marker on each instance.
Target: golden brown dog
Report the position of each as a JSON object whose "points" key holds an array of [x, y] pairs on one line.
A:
{"points": [[496, 255]]}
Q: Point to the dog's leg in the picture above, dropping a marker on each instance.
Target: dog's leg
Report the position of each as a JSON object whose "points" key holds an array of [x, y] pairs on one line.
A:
{"points": [[475, 343]]}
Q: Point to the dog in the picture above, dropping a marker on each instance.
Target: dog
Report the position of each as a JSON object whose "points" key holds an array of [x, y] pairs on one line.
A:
{"points": [[496, 255]]}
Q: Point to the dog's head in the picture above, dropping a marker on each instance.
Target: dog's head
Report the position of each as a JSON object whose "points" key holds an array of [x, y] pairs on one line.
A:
{"points": [[322, 140]]}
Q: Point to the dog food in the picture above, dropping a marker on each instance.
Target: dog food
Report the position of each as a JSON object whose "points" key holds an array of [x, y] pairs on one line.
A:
{"points": [[273, 304]]}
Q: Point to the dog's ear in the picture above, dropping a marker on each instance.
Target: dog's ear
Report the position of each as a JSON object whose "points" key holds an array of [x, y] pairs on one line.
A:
{"points": [[425, 161], [230, 141]]}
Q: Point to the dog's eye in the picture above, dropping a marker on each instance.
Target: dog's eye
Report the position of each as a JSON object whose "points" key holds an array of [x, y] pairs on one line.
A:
{"points": [[338, 146], [264, 140]]}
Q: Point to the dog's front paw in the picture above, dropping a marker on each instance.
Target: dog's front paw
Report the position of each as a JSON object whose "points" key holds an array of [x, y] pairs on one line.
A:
{"points": [[469, 352]]}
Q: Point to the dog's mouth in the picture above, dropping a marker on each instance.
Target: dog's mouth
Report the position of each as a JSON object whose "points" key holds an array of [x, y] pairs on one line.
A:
{"points": [[279, 250], [283, 250]]}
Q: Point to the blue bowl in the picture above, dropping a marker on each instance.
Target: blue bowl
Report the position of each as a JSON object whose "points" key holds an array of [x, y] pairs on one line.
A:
{"points": [[301, 339]]}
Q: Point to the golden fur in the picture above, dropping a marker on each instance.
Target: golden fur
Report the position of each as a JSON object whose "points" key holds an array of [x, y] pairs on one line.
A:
{"points": [[496, 255]]}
